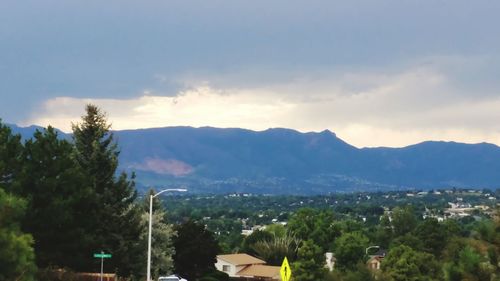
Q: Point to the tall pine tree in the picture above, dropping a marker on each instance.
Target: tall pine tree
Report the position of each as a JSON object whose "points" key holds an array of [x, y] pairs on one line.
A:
{"points": [[57, 201], [117, 225], [16, 254], [11, 151], [195, 250], [16, 251]]}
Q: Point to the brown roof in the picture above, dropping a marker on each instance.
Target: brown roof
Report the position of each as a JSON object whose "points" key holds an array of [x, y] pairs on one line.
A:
{"points": [[240, 259], [375, 258], [260, 270]]}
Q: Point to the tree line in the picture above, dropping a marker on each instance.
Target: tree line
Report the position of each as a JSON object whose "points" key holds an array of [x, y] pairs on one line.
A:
{"points": [[417, 249]]}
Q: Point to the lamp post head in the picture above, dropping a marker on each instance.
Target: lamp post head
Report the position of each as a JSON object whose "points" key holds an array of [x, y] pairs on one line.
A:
{"points": [[179, 189], [371, 247], [169, 189]]}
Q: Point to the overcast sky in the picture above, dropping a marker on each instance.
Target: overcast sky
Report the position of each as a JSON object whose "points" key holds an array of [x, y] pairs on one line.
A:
{"points": [[376, 72]]}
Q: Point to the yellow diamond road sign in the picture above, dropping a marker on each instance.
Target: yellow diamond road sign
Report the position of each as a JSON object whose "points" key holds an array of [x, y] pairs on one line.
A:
{"points": [[285, 271]]}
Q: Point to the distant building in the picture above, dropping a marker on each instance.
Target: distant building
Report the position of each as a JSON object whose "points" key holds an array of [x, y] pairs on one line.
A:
{"points": [[246, 232], [376, 259], [374, 263], [460, 205], [330, 261], [458, 209]]}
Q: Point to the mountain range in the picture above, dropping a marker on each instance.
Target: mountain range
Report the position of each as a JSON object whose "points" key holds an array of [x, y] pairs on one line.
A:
{"points": [[278, 161]]}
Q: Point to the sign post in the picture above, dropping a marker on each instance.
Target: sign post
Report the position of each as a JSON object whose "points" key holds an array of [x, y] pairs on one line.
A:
{"points": [[102, 256], [285, 271]]}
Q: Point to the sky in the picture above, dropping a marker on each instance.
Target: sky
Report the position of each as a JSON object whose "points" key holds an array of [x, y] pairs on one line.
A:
{"points": [[375, 72]]}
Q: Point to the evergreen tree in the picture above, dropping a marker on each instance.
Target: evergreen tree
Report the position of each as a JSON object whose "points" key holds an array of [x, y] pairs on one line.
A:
{"points": [[410, 240], [310, 264], [57, 200], [384, 232], [16, 252], [10, 158], [350, 250], [403, 220], [195, 250], [117, 218], [433, 236]]}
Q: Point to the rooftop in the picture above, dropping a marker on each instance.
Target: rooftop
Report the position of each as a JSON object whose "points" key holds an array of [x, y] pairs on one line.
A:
{"points": [[240, 259], [261, 271]]}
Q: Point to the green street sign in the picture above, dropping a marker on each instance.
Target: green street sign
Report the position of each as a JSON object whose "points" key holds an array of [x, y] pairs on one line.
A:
{"points": [[102, 256]]}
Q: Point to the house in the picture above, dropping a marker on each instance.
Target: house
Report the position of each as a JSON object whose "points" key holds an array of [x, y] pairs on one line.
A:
{"points": [[246, 267], [234, 263], [376, 259], [459, 209], [374, 262], [246, 232], [330, 261]]}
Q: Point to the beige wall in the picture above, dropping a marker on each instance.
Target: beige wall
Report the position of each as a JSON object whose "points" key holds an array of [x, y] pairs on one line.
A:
{"points": [[219, 265]]}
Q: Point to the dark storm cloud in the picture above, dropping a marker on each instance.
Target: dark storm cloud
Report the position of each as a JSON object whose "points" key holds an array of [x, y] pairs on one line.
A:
{"points": [[120, 49]]}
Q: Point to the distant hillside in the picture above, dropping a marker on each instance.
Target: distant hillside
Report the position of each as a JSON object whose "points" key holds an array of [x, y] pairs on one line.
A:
{"points": [[27, 132], [286, 161]]}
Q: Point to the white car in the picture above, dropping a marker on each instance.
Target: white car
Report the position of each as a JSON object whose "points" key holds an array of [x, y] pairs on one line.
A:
{"points": [[171, 278]]}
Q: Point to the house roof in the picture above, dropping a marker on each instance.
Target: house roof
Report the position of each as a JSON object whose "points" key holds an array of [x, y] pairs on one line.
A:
{"points": [[259, 270], [380, 253], [375, 259], [240, 259]]}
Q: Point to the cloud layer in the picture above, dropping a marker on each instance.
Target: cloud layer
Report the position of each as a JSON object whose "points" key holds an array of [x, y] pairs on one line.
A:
{"points": [[379, 72], [378, 107]]}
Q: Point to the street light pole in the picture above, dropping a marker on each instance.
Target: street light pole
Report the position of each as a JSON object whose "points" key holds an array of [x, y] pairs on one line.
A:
{"points": [[149, 236], [102, 264], [151, 223]]}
